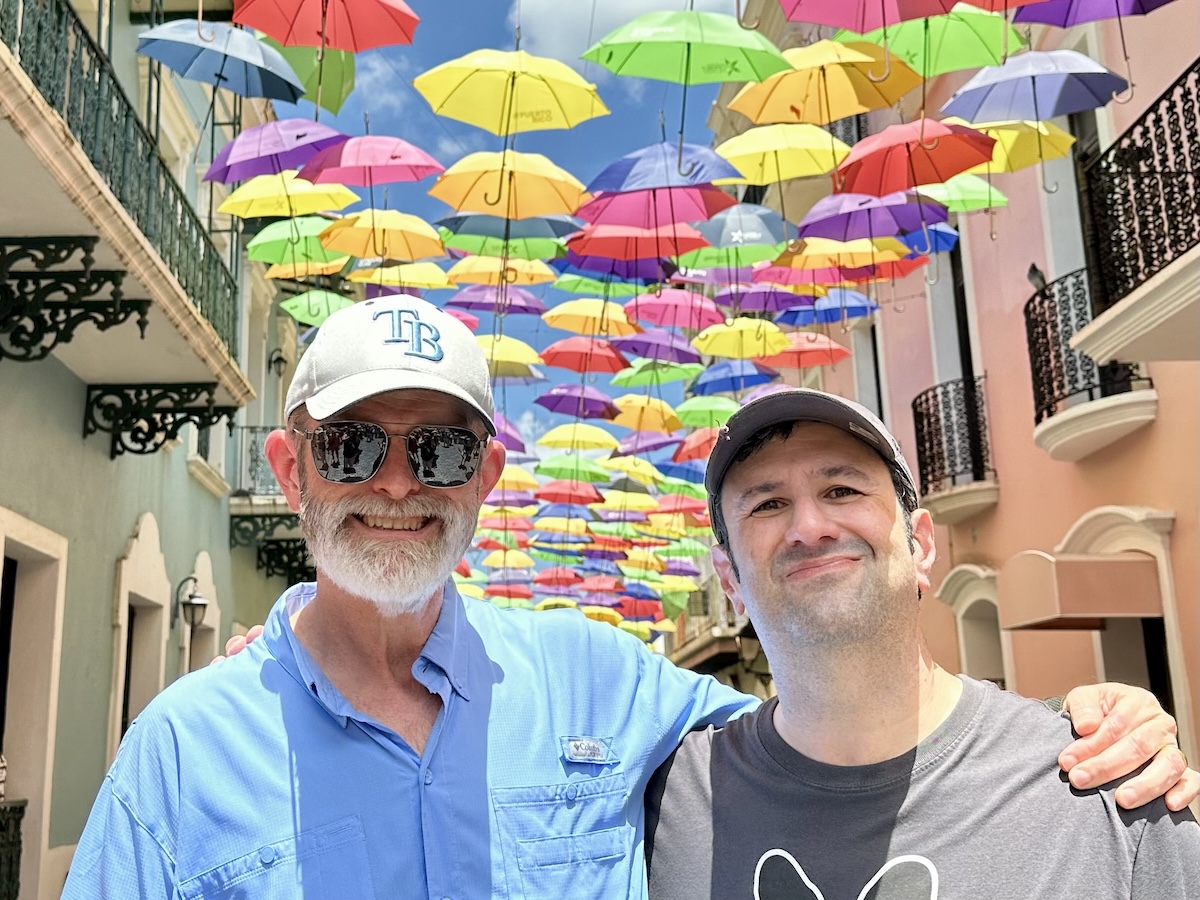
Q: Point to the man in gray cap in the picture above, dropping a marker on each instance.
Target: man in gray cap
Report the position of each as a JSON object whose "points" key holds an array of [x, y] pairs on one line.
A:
{"points": [[384, 737], [874, 773]]}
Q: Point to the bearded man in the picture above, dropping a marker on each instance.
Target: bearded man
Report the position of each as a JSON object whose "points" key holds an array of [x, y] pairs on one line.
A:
{"points": [[384, 737]]}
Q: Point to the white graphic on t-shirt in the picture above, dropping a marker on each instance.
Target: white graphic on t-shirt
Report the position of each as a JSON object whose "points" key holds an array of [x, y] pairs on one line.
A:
{"points": [[891, 863]]}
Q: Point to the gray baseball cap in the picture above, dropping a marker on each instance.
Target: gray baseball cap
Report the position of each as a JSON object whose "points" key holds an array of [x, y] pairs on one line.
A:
{"points": [[801, 405], [386, 344]]}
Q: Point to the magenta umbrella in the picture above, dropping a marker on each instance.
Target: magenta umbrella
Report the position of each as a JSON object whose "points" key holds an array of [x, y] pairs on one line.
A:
{"points": [[369, 160], [508, 435], [861, 16], [674, 308], [652, 207], [657, 343], [271, 148], [512, 300], [849, 217], [578, 400]]}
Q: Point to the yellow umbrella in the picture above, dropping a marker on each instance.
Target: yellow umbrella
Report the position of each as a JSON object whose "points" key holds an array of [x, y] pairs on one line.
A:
{"points": [[666, 626], [506, 92], [1019, 144], [646, 560], [524, 372], [828, 81], [508, 559], [515, 479], [415, 275], [505, 349], [305, 268], [495, 271], [643, 413], [578, 436], [638, 629], [470, 590], [677, 584], [602, 614], [285, 195], [822, 253], [556, 603], [562, 525], [591, 316], [386, 233], [507, 511], [742, 338], [511, 184], [636, 468], [660, 529], [773, 153], [626, 501]]}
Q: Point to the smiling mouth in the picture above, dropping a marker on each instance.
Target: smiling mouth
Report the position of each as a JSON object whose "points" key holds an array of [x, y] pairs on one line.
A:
{"points": [[819, 566], [393, 523]]}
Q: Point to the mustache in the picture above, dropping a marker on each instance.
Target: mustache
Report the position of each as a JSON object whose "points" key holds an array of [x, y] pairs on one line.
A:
{"points": [[801, 555]]}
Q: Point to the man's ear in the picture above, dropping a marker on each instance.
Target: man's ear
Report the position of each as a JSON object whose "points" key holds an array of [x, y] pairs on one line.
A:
{"points": [[729, 583], [492, 466], [281, 454], [924, 551]]}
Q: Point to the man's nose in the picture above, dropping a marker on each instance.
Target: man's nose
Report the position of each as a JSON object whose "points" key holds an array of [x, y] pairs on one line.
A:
{"points": [[810, 523], [395, 477]]}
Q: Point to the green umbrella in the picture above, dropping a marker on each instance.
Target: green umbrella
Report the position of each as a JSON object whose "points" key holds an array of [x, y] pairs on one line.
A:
{"points": [[596, 287], [476, 577], [655, 371], [337, 77], [965, 38], [513, 248], [682, 488], [964, 193], [730, 257], [562, 559], [674, 603], [682, 548], [706, 411], [572, 467], [614, 529], [636, 573], [314, 307], [292, 241], [508, 538]]}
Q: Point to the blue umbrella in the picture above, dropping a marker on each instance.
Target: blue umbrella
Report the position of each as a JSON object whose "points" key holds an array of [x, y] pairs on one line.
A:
{"points": [[510, 229], [839, 304], [939, 238], [660, 166], [639, 591], [645, 271], [566, 511], [746, 224], [223, 56], [689, 470], [733, 375], [1035, 86]]}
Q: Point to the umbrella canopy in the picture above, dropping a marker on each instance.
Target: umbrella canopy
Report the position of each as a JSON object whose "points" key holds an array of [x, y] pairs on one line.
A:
{"points": [[328, 78], [1036, 85], [510, 183], [642, 372], [270, 149], [805, 350], [502, 348], [292, 240], [697, 445], [369, 160], [562, 491], [495, 271], [817, 253], [862, 15], [674, 308], [512, 300], [513, 478], [506, 92], [584, 354], [424, 275], [645, 442], [307, 268], [577, 282], [386, 233], [657, 166], [625, 242], [284, 195], [557, 577], [906, 155], [760, 297], [741, 338], [1022, 143], [964, 193], [590, 316], [730, 375], [340, 24], [848, 217], [707, 412], [580, 401], [827, 82], [652, 207], [744, 226], [658, 343], [643, 413], [221, 55], [634, 467], [773, 153], [572, 467], [841, 304], [506, 432], [934, 239], [578, 436], [314, 307], [507, 559]]}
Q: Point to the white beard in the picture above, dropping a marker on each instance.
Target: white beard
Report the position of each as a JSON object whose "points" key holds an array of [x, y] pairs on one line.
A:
{"points": [[398, 577]]}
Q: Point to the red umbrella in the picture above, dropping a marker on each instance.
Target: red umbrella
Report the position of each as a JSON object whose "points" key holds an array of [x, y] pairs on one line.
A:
{"points": [[584, 354], [506, 523], [808, 349], [924, 151], [697, 445], [352, 25], [463, 568], [632, 608], [677, 503], [601, 584], [486, 543], [563, 491], [625, 242], [892, 269], [463, 316], [369, 160], [509, 590], [559, 576]]}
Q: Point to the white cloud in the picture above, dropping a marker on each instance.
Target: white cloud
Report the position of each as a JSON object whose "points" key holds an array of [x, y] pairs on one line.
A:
{"points": [[450, 148], [381, 80]]}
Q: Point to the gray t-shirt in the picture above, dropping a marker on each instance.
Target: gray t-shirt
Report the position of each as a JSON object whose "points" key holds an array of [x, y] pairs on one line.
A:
{"points": [[978, 811]]}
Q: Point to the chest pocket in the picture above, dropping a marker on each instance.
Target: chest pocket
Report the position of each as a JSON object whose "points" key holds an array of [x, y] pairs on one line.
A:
{"points": [[557, 836], [325, 863]]}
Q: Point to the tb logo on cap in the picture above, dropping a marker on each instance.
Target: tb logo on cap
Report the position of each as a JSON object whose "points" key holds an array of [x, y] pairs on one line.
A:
{"points": [[423, 338]]}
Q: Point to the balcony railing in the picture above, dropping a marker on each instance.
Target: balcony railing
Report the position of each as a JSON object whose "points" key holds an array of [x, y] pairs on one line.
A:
{"points": [[76, 78], [1061, 375], [1144, 194], [11, 812], [952, 441], [254, 476]]}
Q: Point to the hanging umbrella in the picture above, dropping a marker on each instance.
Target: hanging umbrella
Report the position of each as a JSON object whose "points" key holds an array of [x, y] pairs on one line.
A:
{"points": [[479, 225], [328, 78], [627, 243], [640, 271], [935, 239], [770, 154], [506, 432], [841, 304], [284, 195], [658, 343], [740, 236], [292, 240], [731, 375], [557, 577], [515, 373], [588, 316], [517, 185], [580, 401], [386, 233], [964, 193], [848, 217], [741, 338], [817, 253], [645, 442], [862, 15], [507, 559], [486, 298], [674, 308], [578, 436], [654, 168], [495, 271], [511, 247], [687, 48], [270, 149], [642, 372], [651, 207], [691, 470], [502, 349], [353, 25], [764, 297], [573, 282], [644, 413], [572, 467], [506, 92], [697, 445], [314, 307], [805, 350], [513, 478], [368, 160], [306, 268], [827, 81], [1022, 143], [584, 354], [627, 501], [707, 412], [424, 275], [561, 491], [634, 467], [223, 56], [918, 152]]}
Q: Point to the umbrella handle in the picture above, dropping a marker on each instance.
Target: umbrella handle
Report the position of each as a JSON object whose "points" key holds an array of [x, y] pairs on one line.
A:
{"points": [[691, 167], [209, 38], [937, 266], [1048, 188], [928, 148], [1126, 95], [991, 214], [748, 27], [887, 63]]}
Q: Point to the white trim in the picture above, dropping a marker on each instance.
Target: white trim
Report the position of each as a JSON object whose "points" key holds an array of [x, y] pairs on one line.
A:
{"points": [[35, 664], [961, 502], [1081, 430], [964, 586]]}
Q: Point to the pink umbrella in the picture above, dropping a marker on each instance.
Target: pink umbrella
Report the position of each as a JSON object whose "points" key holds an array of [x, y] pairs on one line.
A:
{"points": [[657, 206], [465, 317], [828, 275], [624, 242], [369, 160], [862, 16], [674, 308]]}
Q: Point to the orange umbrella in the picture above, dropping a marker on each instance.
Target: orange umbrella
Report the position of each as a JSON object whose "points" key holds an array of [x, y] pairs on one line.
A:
{"points": [[807, 349], [584, 354], [697, 445], [559, 576], [564, 491]]}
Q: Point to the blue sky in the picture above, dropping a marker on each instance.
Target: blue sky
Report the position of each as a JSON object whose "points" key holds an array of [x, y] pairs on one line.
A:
{"points": [[451, 28]]}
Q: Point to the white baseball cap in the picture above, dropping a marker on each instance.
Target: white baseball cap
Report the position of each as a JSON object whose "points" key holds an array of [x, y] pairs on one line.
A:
{"points": [[386, 344]]}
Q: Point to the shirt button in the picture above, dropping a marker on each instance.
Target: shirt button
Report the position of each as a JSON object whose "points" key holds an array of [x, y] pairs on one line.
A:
{"points": [[266, 855], [572, 792], [428, 777]]}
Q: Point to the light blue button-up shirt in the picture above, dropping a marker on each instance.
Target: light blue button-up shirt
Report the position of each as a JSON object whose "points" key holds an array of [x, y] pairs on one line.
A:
{"points": [[258, 779]]}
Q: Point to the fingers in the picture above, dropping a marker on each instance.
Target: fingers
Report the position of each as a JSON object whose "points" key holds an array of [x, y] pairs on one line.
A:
{"points": [[1185, 791], [1088, 704], [1163, 773], [1115, 749], [238, 642]]}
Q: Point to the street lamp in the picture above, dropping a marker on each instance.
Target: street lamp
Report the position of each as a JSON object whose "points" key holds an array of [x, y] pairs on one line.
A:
{"points": [[193, 607], [278, 362]]}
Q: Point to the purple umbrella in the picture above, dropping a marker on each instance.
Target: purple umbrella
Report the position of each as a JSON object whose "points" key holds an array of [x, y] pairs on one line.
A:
{"points": [[715, 275], [578, 400], [511, 498], [680, 566], [271, 148], [621, 515], [645, 442], [389, 290], [658, 343], [764, 390], [603, 553], [508, 435], [660, 165], [758, 298], [650, 270], [848, 217], [487, 298]]}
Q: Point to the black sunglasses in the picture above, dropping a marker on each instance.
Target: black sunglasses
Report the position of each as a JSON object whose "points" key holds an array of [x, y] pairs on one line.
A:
{"points": [[440, 456]]}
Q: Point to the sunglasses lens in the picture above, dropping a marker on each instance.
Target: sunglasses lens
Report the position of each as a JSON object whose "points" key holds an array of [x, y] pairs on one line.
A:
{"points": [[444, 457], [348, 452]]}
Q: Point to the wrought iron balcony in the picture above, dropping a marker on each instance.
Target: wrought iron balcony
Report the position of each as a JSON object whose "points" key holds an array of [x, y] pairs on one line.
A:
{"points": [[77, 79], [1063, 376], [1143, 194], [11, 813], [258, 512], [952, 439]]}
